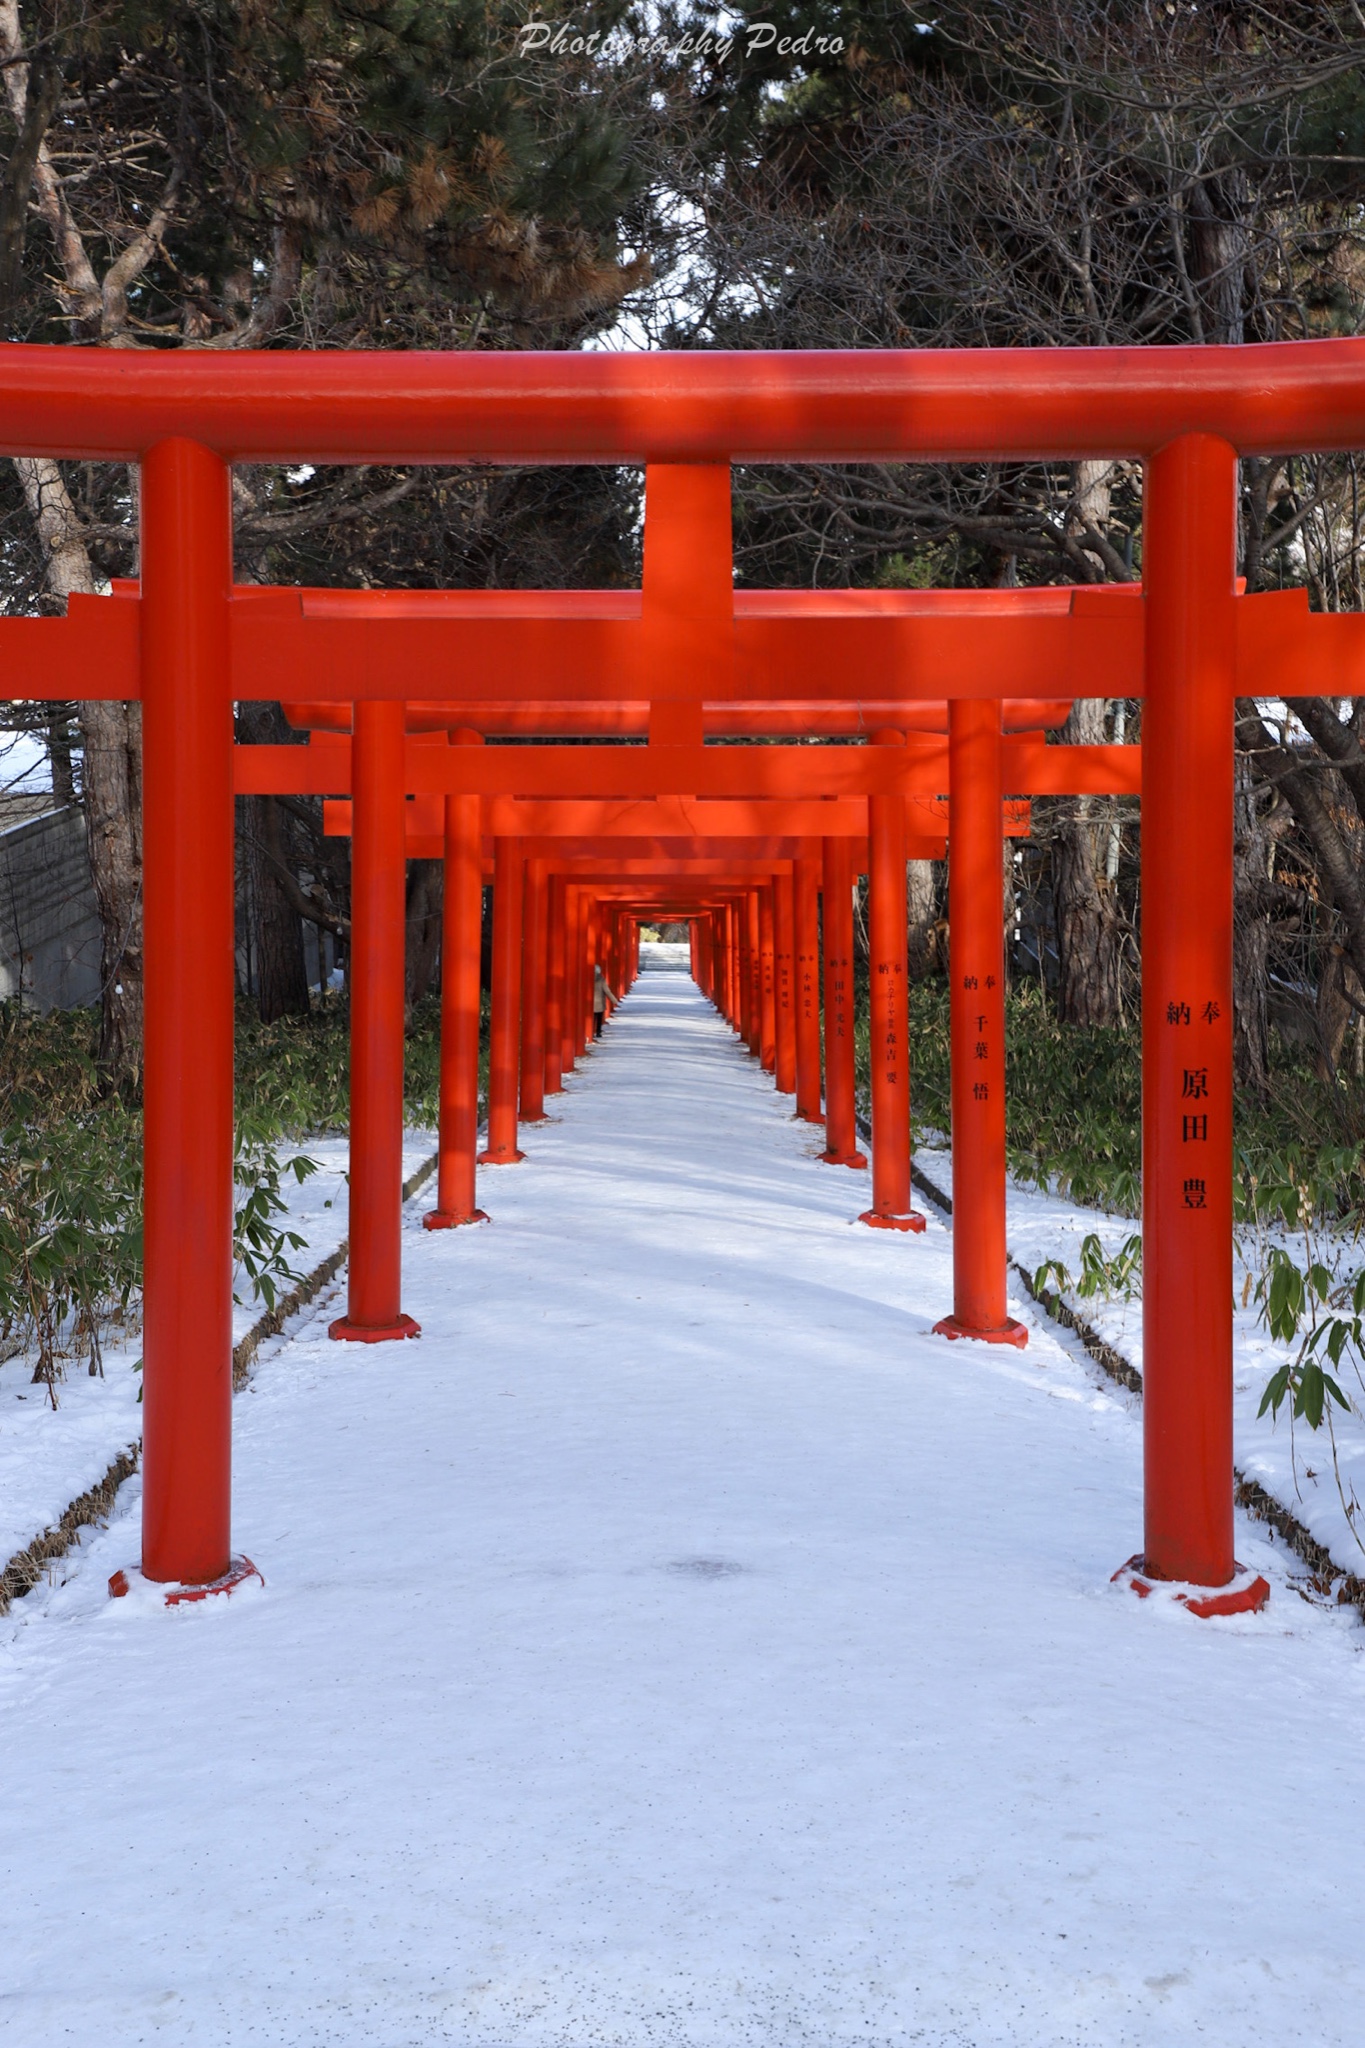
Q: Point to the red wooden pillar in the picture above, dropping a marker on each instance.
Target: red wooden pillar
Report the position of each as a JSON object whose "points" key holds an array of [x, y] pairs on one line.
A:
{"points": [[767, 980], [784, 950], [753, 930], [374, 1269], [889, 1020], [573, 917], [616, 954], [841, 1124], [806, 891], [188, 918], [729, 979], [739, 965], [592, 959], [976, 916], [725, 969], [533, 961], [1189, 560], [554, 987], [746, 980], [588, 953], [461, 935], [583, 975], [611, 952], [505, 1036]]}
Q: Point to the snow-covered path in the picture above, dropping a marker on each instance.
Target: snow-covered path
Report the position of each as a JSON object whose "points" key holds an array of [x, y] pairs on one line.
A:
{"points": [[678, 1645]]}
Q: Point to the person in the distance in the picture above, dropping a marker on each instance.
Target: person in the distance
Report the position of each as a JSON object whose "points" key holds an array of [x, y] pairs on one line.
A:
{"points": [[602, 994]]}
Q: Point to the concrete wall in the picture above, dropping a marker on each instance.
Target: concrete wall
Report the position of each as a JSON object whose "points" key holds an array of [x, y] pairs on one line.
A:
{"points": [[49, 921]]}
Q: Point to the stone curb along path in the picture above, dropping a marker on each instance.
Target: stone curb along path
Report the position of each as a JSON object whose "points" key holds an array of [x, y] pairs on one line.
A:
{"points": [[29, 1566], [1249, 1494]]}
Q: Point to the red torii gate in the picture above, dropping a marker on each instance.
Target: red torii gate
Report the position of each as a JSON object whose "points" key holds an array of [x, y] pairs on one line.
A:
{"points": [[979, 1162], [746, 843], [1187, 412]]}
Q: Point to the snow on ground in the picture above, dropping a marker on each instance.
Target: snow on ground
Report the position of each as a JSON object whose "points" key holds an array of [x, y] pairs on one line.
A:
{"points": [[1295, 1467], [678, 1644], [319, 1207], [49, 1458]]}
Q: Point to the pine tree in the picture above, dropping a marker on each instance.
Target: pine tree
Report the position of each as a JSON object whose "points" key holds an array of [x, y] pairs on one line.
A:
{"points": [[216, 174]]}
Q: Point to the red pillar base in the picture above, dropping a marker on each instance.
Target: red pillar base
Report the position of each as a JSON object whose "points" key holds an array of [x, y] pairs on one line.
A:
{"points": [[436, 1219], [541, 1118], [237, 1574], [1008, 1332], [914, 1221], [344, 1331], [843, 1159], [501, 1158], [803, 1118], [1246, 1592]]}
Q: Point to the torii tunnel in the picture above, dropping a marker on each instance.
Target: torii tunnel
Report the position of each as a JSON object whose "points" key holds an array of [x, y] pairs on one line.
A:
{"points": [[954, 689]]}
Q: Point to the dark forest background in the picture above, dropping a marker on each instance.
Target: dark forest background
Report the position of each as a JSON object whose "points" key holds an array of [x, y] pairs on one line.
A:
{"points": [[404, 174]]}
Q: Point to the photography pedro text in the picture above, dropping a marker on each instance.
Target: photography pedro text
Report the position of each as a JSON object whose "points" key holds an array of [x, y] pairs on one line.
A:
{"points": [[564, 40]]}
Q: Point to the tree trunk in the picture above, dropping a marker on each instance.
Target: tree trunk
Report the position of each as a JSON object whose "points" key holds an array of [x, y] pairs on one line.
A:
{"points": [[1089, 928], [1328, 804], [425, 890], [59, 755], [1218, 244], [921, 918], [111, 738], [276, 932], [1218, 251], [277, 937], [1009, 902], [1250, 930], [1334, 1012]]}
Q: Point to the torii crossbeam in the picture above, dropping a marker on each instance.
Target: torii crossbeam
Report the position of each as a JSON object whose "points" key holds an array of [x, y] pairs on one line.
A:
{"points": [[185, 417]]}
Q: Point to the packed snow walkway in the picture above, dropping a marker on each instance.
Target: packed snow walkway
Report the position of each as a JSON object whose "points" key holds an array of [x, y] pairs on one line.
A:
{"points": [[678, 1645]]}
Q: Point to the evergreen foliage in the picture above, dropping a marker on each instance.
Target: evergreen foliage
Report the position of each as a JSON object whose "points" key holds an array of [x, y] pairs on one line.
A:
{"points": [[373, 173]]}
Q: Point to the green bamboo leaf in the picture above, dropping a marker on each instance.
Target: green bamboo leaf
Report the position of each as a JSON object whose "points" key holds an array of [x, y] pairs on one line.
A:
{"points": [[1276, 1388]]}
